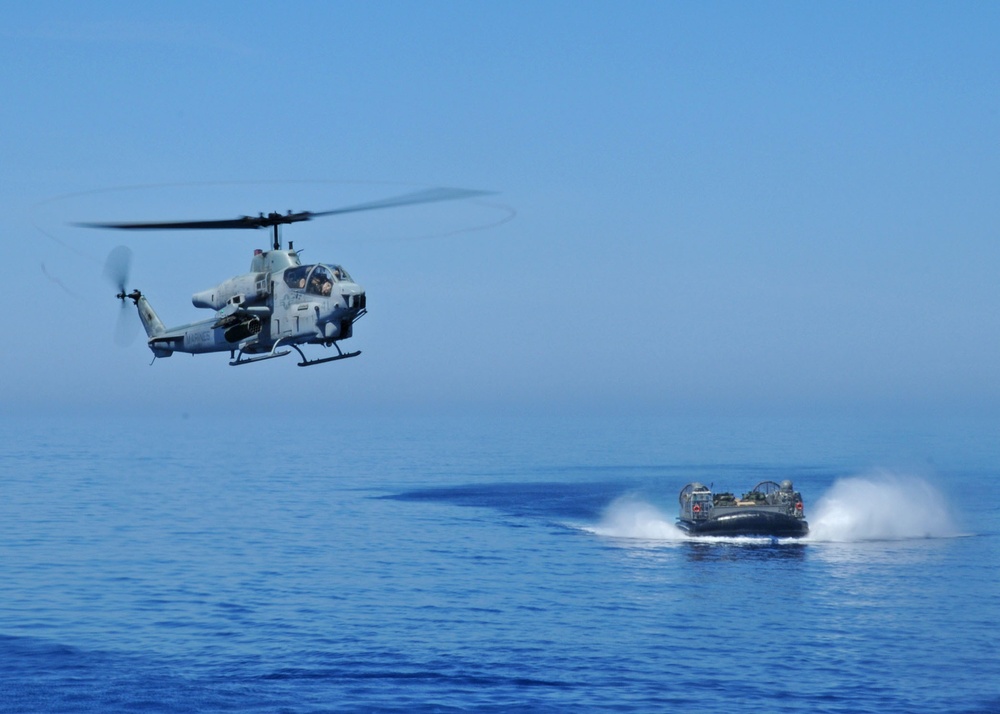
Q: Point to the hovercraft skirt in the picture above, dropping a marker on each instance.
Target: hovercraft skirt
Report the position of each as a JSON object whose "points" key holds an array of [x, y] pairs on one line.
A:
{"points": [[750, 523]]}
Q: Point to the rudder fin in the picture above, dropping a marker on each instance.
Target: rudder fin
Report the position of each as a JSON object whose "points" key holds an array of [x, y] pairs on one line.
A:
{"points": [[150, 320]]}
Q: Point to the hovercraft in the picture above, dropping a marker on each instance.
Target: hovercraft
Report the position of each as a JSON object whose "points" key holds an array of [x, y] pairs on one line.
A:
{"points": [[770, 509]]}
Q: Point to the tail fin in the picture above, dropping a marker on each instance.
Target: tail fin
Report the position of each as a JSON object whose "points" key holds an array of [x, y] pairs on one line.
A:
{"points": [[150, 320]]}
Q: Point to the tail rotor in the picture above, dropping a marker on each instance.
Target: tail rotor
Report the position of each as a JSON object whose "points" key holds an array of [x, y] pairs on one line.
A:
{"points": [[117, 268]]}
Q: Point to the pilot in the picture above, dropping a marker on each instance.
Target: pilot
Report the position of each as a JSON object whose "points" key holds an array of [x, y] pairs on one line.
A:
{"points": [[326, 289]]}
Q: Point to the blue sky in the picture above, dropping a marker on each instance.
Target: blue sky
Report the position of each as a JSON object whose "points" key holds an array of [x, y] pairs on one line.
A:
{"points": [[722, 206]]}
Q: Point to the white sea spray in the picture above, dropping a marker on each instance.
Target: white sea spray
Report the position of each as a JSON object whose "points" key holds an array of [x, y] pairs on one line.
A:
{"points": [[881, 506], [631, 517]]}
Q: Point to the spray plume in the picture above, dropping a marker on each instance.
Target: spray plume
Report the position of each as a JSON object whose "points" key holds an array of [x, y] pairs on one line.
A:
{"points": [[882, 506], [630, 517]]}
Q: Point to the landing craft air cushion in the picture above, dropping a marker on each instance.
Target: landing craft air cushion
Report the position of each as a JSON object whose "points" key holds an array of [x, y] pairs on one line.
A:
{"points": [[769, 509]]}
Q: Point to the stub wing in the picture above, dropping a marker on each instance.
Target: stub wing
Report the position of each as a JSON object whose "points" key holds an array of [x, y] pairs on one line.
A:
{"points": [[235, 313]]}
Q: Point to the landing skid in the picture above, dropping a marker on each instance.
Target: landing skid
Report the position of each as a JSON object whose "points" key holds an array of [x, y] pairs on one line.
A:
{"points": [[240, 359], [310, 362]]}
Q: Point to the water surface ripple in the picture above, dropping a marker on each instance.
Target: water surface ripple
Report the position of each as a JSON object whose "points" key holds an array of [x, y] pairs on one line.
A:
{"points": [[484, 566]]}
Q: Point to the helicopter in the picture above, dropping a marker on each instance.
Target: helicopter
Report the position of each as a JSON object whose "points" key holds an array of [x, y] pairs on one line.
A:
{"points": [[278, 306]]}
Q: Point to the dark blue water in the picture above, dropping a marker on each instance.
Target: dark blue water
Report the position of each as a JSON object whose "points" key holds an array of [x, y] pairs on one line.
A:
{"points": [[503, 564]]}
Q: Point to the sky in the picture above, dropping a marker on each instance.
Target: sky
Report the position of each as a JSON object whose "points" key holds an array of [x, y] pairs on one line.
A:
{"points": [[753, 207]]}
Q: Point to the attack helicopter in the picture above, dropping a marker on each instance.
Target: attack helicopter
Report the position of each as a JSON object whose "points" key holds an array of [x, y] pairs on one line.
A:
{"points": [[278, 306]]}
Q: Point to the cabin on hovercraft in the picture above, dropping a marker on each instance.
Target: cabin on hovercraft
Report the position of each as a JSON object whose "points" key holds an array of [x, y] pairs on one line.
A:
{"points": [[769, 509]]}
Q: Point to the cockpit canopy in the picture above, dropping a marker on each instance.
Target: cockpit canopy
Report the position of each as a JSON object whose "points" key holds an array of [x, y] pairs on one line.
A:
{"points": [[317, 279]]}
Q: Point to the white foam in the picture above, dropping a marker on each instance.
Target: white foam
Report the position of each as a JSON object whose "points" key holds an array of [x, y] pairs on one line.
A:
{"points": [[631, 517], [880, 506]]}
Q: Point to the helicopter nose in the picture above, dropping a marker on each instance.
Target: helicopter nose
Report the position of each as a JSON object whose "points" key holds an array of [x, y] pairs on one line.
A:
{"points": [[353, 296]]}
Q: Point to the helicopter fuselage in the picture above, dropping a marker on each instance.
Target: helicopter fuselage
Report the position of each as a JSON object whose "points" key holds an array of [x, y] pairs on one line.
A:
{"points": [[280, 302]]}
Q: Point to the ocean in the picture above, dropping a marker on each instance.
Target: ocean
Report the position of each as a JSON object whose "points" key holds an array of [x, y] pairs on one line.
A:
{"points": [[341, 563]]}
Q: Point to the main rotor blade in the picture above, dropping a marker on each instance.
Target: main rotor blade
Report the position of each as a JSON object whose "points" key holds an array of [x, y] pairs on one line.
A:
{"points": [[430, 195], [261, 221]]}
